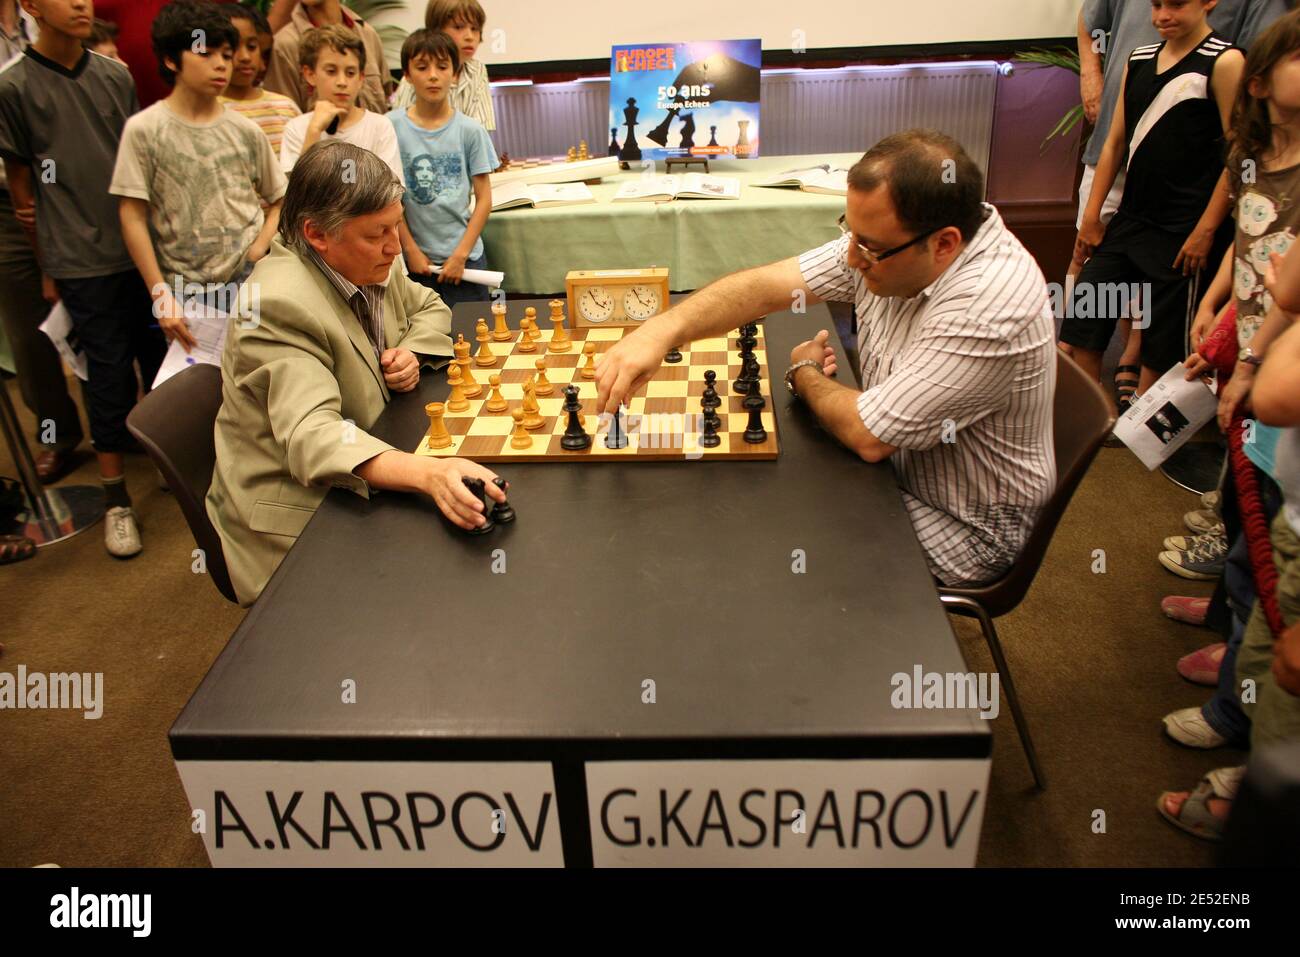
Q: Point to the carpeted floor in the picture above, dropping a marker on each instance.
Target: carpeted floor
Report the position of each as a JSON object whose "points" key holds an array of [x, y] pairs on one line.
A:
{"points": [[1092, 656]]}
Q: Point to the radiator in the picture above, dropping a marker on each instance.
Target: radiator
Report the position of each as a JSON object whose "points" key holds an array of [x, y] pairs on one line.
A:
{"points": [[847, 110], [804, 111]]}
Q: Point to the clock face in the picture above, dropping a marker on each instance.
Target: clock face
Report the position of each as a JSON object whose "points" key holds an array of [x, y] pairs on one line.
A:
{"points": [[596, 304], [641, 302]]}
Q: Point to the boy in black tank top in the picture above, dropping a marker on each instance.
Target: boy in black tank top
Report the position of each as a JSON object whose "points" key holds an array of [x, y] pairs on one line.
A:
{"points": [[1173, 220]]}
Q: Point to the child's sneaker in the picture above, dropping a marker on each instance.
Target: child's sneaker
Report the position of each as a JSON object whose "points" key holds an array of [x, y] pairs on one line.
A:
{"points": [[1204, 561], [1211, 500], [1183, 543], [1201, 520], [1188, 726], [121, 533]]}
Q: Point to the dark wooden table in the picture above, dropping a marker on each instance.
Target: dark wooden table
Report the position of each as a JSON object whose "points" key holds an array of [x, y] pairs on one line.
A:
{"points": [[730, 630]]}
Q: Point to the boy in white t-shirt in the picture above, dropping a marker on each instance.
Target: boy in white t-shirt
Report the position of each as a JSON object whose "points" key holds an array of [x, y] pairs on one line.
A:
{"points": [[333, 63]]}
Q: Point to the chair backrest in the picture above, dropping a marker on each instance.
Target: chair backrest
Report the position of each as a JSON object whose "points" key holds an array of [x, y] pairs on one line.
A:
{"points": [[1081, 420], [175, 425]]}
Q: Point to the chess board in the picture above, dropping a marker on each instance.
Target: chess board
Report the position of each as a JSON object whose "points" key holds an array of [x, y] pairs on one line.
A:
{"points": [[663, 423]]}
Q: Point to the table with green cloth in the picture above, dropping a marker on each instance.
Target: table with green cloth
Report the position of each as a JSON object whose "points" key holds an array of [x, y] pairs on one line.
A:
{"points": [[699, 240]]}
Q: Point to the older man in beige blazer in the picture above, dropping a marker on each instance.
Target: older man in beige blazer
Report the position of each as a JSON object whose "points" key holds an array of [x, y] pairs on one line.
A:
{"points": [[334, 328]]}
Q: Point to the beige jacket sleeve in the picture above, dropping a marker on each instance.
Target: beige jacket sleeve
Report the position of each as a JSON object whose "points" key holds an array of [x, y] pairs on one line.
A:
{"points": [[428, 332], [290, 366]]}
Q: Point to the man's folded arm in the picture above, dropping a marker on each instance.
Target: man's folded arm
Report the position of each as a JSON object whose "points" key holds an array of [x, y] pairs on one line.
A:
{"points": [[429, 333], [292, 370]]}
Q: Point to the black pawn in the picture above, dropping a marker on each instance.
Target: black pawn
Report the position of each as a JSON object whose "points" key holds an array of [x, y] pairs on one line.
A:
{"points": [[754, 396], [616, 437], [713, 136], [477, 486], [755, 434], [613, 141], [503, 513], [575, 437], [710, 438], [711, 418], [674, 355], [710, 399]]}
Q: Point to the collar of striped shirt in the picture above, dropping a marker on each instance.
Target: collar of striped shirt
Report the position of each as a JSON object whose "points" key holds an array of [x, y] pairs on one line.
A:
{"points": [[990, 231], [366, 302]]}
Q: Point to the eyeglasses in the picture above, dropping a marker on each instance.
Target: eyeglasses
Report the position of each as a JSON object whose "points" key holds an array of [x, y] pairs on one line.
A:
{"points": [[871, 256]]}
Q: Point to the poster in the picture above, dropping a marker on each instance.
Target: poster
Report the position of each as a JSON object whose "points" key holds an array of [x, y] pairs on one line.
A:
{"points": [[684, 99]]}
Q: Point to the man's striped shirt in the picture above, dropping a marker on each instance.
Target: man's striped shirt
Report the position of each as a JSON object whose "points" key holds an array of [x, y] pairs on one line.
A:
{"points": [[960, 379]]}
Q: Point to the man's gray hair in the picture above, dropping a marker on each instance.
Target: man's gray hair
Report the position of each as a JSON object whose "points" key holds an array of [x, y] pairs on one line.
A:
{"points": [[332, 183]]}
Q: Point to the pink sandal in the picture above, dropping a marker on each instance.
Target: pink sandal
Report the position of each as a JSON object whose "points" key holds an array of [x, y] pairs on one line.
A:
{"points": [[1201, 667]]}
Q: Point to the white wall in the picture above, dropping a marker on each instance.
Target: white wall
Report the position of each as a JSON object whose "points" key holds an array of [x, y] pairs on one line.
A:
{"points": [[520, 31]]}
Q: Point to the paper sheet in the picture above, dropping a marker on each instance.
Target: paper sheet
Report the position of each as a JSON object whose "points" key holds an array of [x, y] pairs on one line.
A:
{"points": [[1160, 422], [58, 326], [208, 326], [484, 277]]}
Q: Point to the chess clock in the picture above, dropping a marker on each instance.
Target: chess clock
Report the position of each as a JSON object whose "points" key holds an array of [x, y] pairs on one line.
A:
{"points": [[615, 297]]}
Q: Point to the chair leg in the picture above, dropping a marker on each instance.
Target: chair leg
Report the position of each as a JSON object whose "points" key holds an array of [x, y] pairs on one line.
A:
{"points": [[999, 660]]}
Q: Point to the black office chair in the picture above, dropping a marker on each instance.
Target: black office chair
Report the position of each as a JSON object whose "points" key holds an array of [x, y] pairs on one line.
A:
{"points": [[1081, 420], [175, 425]]}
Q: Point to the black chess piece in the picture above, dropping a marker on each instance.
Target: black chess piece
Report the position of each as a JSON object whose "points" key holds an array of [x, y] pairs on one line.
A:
{"points": [[748, 368], [616, 437], [503, 513], [709, 438], [674, 355], [687, 131], [631, 150], [711, 415], [713, 136], [477, 487], [613, 141], [660, 133], [755, 434], [710, 399], [575, 437]]}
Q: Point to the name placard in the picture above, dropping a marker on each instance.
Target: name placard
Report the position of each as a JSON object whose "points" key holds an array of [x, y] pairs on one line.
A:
{"points": [[374, 813], [868, 813]]}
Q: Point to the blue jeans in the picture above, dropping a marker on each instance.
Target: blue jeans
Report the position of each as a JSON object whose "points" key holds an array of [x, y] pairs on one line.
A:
{"points": [[1223, 711], [452, 293]]}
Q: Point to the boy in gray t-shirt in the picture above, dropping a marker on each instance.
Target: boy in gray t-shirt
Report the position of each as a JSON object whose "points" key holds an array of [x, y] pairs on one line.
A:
{"points": [[62, 111], [192, 176]]}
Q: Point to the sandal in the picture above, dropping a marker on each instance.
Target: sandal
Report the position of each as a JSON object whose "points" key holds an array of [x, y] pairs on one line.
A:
{"points": [[1195, 816], [15, 548], [1126, 384]]}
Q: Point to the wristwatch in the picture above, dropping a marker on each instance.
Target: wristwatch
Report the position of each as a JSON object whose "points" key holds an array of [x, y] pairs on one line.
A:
{"points": [[794, 369], [1247, 355]]}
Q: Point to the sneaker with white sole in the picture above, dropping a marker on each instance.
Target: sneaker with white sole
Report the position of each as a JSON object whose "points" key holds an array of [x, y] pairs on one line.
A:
{"points": [[1184, 543], [1189, 727], [1202, 562], [1211, 500], [1202, 520], [121, 532]]}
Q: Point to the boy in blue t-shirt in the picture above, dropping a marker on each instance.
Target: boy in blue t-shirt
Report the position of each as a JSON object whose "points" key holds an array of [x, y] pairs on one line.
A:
{"points": [[445, 156]]}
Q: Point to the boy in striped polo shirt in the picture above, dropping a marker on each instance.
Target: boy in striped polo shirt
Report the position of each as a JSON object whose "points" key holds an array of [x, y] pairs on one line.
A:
{"points": [[270, 111]]}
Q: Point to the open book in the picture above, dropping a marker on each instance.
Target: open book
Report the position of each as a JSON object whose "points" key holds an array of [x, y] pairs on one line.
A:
{"points": [[690, 186], [813, 179], [540, 195]]}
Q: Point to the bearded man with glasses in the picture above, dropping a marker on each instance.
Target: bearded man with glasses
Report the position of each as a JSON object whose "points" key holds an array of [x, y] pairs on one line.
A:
{"points": [[955, 345]]}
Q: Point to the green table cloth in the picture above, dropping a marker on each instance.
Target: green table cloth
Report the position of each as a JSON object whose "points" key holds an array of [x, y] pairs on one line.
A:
{"points": [[697, 239]]}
